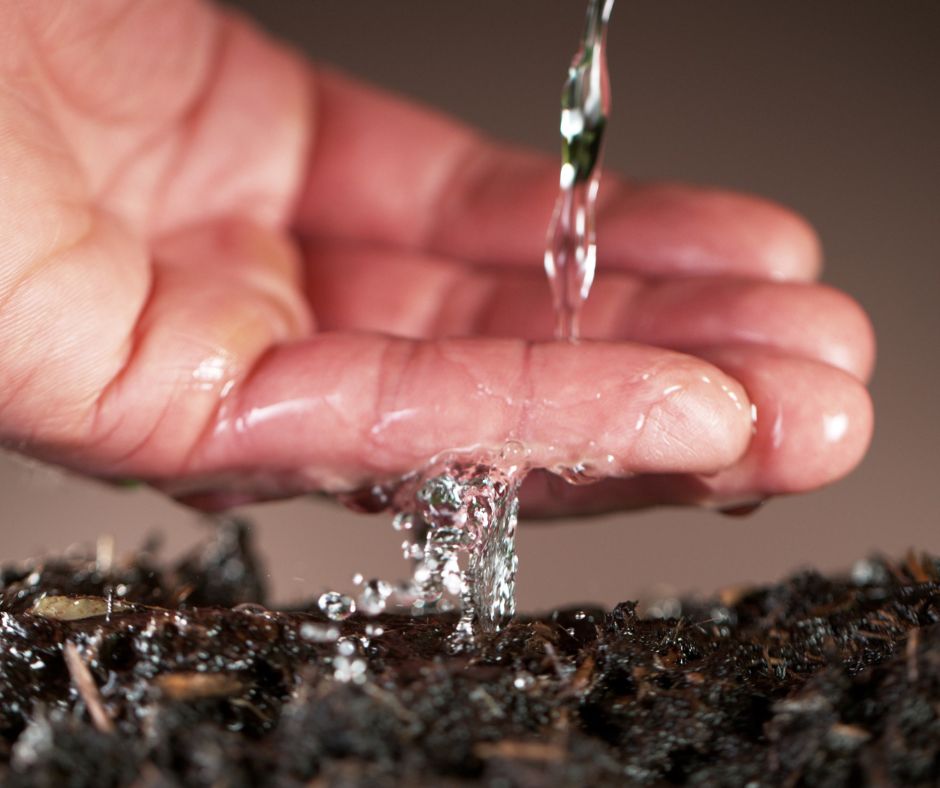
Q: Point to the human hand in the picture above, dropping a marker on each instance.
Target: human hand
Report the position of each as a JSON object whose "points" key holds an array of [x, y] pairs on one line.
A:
{"points": [[224, 271]]}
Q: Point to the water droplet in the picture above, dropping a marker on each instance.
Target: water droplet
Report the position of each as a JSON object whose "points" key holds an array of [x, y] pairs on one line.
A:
{"points": [[665, 607], [523, 681], [411, 551], [373, 597], [869, 572], [345, 647], [579, 474], [336, 606], [252, 609], [349, 670], [513, 457], [318, 633]]}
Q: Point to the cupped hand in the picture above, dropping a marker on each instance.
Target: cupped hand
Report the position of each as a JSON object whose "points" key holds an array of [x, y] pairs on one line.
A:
{"points": [[225, 270]]}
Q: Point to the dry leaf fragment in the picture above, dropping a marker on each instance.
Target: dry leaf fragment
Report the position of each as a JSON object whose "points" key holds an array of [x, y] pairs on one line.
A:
{"points": [[75, 608], [192, 685]]}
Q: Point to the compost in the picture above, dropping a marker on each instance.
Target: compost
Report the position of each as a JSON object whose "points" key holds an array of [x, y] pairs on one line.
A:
{"points": [[142, 673]]}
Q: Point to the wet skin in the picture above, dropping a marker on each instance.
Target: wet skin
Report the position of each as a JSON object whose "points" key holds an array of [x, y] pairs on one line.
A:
{"points": [[225, 269]]}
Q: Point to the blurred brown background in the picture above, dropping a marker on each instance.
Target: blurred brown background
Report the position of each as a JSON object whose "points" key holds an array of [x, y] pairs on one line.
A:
{"points": [[829, 107]]}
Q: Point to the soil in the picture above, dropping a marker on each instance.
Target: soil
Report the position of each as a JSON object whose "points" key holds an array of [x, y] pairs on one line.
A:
{"points": [[145, 674]]}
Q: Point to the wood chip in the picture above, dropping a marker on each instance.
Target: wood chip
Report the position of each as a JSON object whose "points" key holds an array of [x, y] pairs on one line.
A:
{"points": [[75, 608], [192, 685], [913, 643], [87, 689], [519, 750], [847, 736]]}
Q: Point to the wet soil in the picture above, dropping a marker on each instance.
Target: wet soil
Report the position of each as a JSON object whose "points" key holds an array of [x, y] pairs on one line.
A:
{"points": [[146, 674]]}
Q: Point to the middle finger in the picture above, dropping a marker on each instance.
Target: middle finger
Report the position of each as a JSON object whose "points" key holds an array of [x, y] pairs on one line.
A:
{"points": [[413, 295]]}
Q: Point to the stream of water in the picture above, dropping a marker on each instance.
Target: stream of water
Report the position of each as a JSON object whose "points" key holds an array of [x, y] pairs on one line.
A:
{"points": [[571, 248], [458, 517]]}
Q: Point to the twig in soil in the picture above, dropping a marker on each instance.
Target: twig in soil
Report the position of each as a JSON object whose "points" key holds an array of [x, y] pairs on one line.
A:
{"points": [[913, 643], [87, 689], [519, 750], [190, 685], [556, 662]]}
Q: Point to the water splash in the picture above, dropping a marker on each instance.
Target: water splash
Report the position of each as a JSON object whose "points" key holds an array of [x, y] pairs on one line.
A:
{"points": [[458, 517], [462, 518], [571, 248]]}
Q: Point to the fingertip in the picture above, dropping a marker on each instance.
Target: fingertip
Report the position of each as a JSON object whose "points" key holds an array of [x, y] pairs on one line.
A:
{"points": [[700, 423], [622, 409], [813, 423], [792, 249], [851, 345], [673, 228], [836, 424]]}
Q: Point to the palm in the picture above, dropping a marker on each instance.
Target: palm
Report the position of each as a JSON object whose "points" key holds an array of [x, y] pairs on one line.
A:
{"points": [[207, 251]]}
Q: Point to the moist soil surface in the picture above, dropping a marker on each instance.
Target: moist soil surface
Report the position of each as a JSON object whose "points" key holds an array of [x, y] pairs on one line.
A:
{"points": [[144, 674]]}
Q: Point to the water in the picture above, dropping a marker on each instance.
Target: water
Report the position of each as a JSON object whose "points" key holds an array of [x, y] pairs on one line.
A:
{"points": [[336, 606], [571, 247], [458, 517], [373, 597]]}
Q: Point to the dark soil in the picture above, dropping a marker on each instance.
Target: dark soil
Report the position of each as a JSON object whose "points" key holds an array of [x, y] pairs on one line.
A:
{"points": [[816, 681]]}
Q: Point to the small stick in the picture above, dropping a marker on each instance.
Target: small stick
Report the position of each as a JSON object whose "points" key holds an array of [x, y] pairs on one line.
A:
{"points": [[913, 643], [87, 689], [519, 750]]}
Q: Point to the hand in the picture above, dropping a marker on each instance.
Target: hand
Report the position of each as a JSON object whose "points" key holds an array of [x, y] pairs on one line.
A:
{"points": [[224, 270]]}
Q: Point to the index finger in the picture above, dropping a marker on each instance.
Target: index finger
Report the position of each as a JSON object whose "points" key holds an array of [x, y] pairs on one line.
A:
{"points": [[386, 171], [338, 411]]}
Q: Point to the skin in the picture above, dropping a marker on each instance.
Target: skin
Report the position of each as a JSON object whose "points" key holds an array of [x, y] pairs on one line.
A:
{"points": [[238, 275]]}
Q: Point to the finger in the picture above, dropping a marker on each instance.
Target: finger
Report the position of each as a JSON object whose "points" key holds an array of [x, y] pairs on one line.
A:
{"points": [[353, 287], [388, 172], [339, 411], [813, 426]]}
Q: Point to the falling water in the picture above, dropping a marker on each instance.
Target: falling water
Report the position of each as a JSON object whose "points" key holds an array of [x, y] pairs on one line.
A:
{"points": [[458, 516], [463, 545], [458, 520], [571, 250]]}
